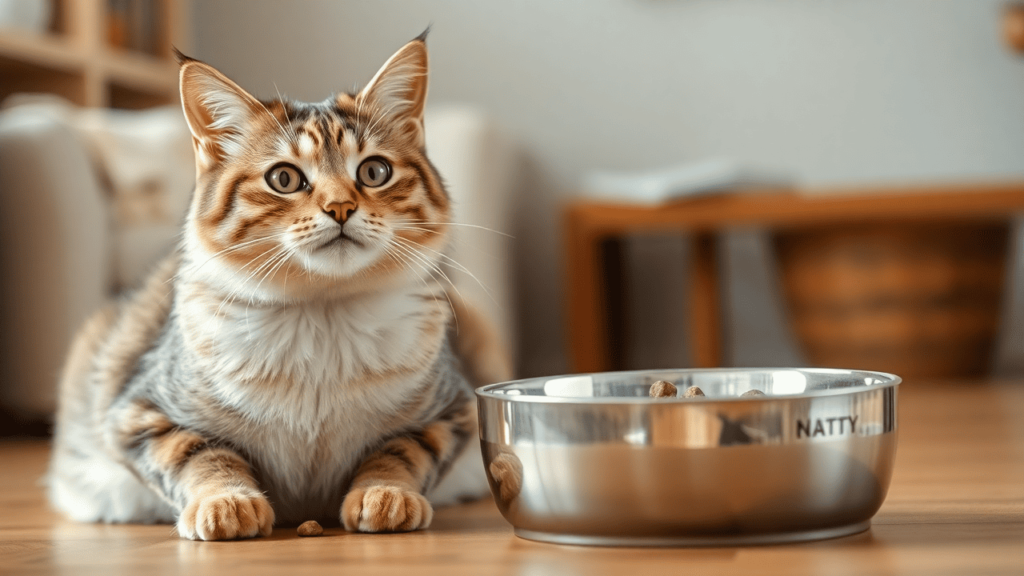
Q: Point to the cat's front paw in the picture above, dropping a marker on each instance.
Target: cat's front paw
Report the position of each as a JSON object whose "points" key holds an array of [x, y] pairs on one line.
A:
{"points": [[226, 517], [385, 509]]}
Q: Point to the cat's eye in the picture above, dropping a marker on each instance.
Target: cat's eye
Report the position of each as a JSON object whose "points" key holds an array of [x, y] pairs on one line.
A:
{"points": [[373, 172], [285, 178]]}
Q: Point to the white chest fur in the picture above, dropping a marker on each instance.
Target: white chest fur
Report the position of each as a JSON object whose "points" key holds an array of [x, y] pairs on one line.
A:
{"points": [[319, 380], [321, 344]]}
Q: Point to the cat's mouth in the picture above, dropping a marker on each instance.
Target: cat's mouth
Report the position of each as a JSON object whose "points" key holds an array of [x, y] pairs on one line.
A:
{"points": [[341, 239]]}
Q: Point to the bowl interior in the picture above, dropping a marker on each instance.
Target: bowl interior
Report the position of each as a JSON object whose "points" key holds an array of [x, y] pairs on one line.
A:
{"points": [[717, 384]]}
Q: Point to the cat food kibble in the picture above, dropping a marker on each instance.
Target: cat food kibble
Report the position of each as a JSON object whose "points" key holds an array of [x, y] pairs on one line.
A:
{"points": [[310, 528], [693, 392], [752, 393], [663, 389]]}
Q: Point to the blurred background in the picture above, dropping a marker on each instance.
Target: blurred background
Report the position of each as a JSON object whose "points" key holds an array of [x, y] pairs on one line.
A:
{"points": [[686, 182]]}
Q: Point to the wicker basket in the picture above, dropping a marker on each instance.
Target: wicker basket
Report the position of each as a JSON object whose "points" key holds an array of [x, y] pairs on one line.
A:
{"points": [[915, 300]]}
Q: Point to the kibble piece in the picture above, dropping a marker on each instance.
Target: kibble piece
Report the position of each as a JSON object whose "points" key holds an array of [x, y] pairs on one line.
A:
{"points": [[663, 389], [310, 528], [693, 392], [752, 393]]}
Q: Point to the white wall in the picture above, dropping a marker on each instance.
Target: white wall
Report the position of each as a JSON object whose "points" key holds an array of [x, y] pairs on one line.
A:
{"points": [[852, 91]]}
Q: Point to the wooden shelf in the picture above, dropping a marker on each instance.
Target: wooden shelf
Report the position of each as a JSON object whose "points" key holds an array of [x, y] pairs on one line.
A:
{"points": [[75, 61], [45, 51], [141, 71], [129, 97]]}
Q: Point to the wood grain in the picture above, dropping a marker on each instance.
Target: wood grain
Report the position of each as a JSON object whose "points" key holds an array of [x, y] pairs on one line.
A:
{"points": [[956, 506]]}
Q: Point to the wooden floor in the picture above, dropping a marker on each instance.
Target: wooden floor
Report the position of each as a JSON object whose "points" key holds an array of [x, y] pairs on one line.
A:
{"points": [[956, 506]]}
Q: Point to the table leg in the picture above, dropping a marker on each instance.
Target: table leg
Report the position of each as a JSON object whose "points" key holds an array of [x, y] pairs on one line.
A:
{"points": [[705, 310], [586, 321], [613, 301]]}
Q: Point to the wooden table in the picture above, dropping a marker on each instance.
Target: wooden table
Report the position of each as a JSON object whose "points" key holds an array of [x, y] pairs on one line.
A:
{"points": [[593, 234], [956, 506]]}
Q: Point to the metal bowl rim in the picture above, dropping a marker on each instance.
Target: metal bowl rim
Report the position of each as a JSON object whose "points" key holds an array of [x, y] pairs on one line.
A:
{"points": [[891, 381]]}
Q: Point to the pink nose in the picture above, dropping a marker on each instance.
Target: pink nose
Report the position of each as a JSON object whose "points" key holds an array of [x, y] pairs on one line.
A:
{"points": [[340, 211]]}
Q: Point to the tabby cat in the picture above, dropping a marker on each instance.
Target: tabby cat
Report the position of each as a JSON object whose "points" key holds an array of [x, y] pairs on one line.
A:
{"points": [[294, 359]]}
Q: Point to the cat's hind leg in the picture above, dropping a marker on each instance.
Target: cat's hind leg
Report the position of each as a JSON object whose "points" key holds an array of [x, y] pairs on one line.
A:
{"points": [[83, 481], [90, 487]]}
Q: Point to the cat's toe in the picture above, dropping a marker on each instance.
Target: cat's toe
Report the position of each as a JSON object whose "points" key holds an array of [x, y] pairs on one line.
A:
{"points": [[385, 509], [226, 517]]}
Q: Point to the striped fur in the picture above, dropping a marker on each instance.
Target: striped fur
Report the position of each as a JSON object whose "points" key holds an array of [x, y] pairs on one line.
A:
{"points": [[280, 366]]}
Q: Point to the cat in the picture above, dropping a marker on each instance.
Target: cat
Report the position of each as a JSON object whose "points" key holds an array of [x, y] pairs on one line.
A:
{"points": [[295, 357]]}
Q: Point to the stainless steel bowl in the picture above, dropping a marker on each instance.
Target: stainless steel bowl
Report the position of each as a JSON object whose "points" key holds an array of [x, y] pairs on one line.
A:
{"points": [[592, 459]]}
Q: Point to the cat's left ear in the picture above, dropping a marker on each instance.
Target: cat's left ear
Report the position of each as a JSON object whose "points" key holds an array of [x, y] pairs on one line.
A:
{"points": [[218, 111], [399, 89]]}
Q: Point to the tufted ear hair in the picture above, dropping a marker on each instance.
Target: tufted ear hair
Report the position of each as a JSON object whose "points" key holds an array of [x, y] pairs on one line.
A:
{"points": [[399, 89], [218, 111]]}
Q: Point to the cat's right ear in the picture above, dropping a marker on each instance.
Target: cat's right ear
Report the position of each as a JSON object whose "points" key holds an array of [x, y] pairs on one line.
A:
{"points": [[218, 111]]}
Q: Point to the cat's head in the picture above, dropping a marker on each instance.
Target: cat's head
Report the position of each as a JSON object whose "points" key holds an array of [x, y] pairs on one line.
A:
{"points": [[312, 196]]}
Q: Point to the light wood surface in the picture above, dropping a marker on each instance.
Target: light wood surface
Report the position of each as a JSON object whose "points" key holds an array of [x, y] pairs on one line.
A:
{"points": [[956, 506], [589, 225]]}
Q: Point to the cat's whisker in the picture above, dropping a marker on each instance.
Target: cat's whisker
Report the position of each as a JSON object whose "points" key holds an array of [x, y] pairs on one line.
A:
{"points": [[284, 107], [277, 259], [424, 261], [192, 268], [499, 232], [432, 266], [281, 260], [455, 239], [452, 262], [276, 121], [413, 228], [280, 263], [405, 261], [251, 273], [276, 251], [269, 267], [234, 294], [273, 271]]}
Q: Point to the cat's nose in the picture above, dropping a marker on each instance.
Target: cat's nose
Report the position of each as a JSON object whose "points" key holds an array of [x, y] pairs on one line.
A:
{"points": [[340, 211]]}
